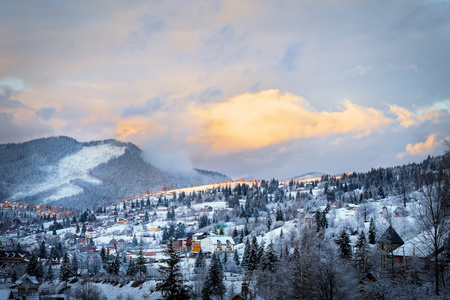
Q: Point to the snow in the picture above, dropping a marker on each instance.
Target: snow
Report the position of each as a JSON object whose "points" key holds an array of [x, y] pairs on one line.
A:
{"points": [[70, 168]]}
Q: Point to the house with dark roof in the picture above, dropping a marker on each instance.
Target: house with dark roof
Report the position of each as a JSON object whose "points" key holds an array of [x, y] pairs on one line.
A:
{"points": [[390, 240]]}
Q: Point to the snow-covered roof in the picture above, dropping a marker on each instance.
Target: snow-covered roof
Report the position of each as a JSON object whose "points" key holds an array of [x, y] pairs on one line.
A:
{"points": [[416, 246], [222, 239], [25, 276]]}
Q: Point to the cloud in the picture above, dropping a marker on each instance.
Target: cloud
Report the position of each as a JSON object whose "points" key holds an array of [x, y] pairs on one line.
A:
{"points": [[10, 131], [421, 148], [46, 113], [139, 129], [408, 118], [251, 121], [144, 109], [10, 87]]}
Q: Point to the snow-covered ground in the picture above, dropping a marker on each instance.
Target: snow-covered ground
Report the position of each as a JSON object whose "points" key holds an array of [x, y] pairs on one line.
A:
{"points": [[75, 166]]}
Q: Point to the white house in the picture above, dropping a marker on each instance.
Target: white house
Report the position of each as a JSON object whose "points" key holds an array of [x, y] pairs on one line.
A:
{"points": [[217, 243]]}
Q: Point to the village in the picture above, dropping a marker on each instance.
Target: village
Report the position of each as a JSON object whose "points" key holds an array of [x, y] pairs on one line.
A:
{"points": [[214, 221]]}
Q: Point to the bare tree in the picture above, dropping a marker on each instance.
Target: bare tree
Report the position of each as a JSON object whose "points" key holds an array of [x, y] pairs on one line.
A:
{"points": [[433, 216]]}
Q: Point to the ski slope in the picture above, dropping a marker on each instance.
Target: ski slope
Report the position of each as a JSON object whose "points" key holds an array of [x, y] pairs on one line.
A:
{"points": [[73, 167]]}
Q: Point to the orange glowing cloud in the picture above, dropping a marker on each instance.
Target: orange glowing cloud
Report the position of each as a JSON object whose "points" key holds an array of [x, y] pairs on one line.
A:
{"points": [[408, 118], [421, 148], [138, 128], [250, 121]]}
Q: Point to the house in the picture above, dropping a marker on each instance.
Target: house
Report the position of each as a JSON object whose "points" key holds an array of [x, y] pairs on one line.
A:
{"points": [[390, 240], [91, 234], [217, 243], [14, 257], [387, 243], [27, 285], [400, 212], [417, 253]]}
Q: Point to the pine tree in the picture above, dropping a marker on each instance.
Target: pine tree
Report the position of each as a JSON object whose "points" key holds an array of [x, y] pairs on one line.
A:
{"points": [[141, 268], [49, 276], [214, 285], [372, 232], [64, 273], [246, 257], [32, 265], [116, 265], [269, 222], [135, 241], [254, 258], [317, 218], [131, 270], [345, 248], [199, 263], [236, 258], [74, 266], [42, 250], [171, 285], [324, 221], [279, 215], [103, 256], [269, 259], [361, 252]]}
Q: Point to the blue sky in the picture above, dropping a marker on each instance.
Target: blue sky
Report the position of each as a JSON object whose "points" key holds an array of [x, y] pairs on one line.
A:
{"points": [[247, 88]]}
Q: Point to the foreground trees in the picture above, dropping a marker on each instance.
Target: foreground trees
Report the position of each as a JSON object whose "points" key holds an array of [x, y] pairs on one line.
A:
{"points": [[433, 217], [171, 285]]}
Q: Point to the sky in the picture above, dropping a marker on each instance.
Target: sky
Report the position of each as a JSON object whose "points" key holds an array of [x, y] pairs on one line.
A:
{"points": [[263, 89]]}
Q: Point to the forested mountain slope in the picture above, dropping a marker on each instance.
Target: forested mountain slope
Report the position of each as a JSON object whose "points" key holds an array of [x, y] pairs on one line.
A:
{"points": [[61, 170]]}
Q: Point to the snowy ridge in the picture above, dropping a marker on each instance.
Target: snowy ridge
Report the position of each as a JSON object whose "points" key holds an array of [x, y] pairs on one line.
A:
{"points": [[70, 168], [310, 175]]}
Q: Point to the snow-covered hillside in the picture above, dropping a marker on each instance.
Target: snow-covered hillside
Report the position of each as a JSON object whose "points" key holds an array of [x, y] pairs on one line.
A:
{"points": [[63, 171], [76, 166]]}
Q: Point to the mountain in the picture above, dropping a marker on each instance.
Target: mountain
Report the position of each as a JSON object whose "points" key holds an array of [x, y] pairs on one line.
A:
{"points": [[63, 171], [310, 175]]}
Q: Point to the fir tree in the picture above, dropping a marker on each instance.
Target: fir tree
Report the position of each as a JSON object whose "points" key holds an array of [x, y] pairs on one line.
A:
{"points": [[318, 218], [171, 285], [116, 265], [279, 215], [65, 273], [141, 268], [269, 259], [131, 269], [74, 266], [32, 265], [345, 248], [372, 232], [254, 258], [361, 252], [199, 262], [103, 255], [49, 276], [42, 250], [324, 221], [135, 241], [236, 258], [269, 222], [214, 285], [246, 257]]}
